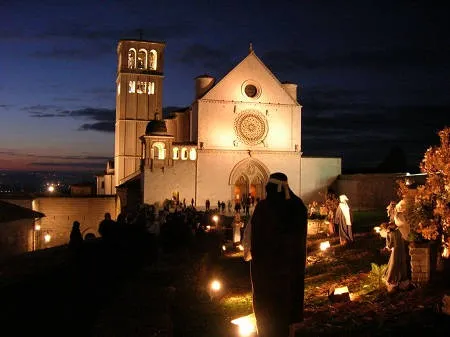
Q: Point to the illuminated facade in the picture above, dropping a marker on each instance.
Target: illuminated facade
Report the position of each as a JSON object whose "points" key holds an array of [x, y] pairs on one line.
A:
{"points": [[223, 146]]}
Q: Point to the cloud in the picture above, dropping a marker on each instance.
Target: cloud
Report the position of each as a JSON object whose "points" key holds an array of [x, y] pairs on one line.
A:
{"points": [[87, 165], [374, 58], [100, 126], [206, 57], [9, 152]]}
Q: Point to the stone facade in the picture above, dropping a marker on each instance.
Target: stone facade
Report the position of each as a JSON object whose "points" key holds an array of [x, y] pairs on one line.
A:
{"points": [[240, 130]]}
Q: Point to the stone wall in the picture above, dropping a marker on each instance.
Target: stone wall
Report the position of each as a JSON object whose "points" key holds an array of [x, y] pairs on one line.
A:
{"points": [[61, 212], [420, 264]]}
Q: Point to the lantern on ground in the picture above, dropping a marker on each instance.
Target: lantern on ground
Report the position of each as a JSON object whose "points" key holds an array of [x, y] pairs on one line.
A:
{"points": [[340, 294], [246, 325], [324, 245]]}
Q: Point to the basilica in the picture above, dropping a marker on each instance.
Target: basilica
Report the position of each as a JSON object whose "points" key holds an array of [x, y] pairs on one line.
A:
{"points": [[222, 147]]}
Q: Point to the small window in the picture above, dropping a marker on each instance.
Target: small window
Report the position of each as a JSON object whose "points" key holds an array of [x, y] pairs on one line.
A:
{"points": [[176, 153], [184, 154], [151, 88], [152, 60], [132, 87], [192, 154], [132, 58]]}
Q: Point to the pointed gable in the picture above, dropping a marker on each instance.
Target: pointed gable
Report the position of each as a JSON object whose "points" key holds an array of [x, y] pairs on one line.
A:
{"points": [[250, 81]]}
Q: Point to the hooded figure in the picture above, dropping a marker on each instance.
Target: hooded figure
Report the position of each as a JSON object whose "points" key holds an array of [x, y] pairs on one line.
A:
{"points": [[278, 250], [343, 219]]}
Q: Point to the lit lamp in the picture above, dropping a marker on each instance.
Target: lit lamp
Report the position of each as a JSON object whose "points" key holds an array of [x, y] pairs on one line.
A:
{"points": [[224, 248], [51, 188], [47, 238], [324, 245], [216, 220], [215, 288], [241, 248], [246, 325], [340, 294], [37, 227], [377, 229]]}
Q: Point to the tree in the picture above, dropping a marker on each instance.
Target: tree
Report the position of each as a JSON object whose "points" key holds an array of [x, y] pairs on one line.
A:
{"points": [[428, 208]]}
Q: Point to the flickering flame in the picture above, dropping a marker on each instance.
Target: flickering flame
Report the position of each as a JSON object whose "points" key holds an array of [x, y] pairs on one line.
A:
{"points": [[246, 324], [324, 245], [341, 290], [445, 253]]}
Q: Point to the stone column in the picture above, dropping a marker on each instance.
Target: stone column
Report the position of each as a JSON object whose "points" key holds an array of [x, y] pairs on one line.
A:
{"points": [[420, 263]]}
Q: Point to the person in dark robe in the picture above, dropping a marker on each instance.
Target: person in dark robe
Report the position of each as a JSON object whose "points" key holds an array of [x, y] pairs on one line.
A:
{"points": [[343, 219], [278, 251], [76, 239], [396, 274]]}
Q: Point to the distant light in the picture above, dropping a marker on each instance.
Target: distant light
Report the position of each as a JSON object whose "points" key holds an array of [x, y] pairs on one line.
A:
{"points": [[224, 248], [37, 227], [47, 238], [215, 218], [51, 188], [246, 324], [216, 285], [324, 245]]}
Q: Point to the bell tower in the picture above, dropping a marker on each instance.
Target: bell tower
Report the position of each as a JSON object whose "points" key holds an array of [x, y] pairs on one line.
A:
{"points": [[138, 100]]}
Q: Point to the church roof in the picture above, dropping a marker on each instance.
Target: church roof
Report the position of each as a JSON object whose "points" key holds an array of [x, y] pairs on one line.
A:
{"points": [[156, 126]]}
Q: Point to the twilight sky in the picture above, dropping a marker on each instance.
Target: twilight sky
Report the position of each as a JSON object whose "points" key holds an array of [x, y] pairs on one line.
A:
{"points": [[372, 75]]}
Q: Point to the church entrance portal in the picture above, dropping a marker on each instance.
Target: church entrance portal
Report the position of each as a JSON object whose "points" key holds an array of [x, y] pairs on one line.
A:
{"points": [[248, 179]]}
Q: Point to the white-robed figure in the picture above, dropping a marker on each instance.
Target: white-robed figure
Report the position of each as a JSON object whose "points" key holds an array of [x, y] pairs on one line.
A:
{"points": [[343, 219]]}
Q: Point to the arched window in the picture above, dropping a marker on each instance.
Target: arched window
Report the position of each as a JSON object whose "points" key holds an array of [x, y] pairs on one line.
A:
{"points": [[151, 88], [159, 150], [132, 87], [152, 62], [176, 153], [142, 59], [192, 154], [184, 154], [132, 58]]}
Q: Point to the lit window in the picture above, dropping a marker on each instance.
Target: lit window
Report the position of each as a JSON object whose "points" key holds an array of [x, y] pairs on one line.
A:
{"points": [[142, 59], [184, 154], [141, 87], [132, 58], [151, 88], [192, 154], [159, 151], [153, 59], [176, 153], [132, 87]]}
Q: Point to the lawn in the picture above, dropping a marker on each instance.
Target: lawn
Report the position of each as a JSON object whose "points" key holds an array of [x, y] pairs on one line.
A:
{"points": [[371, 312]]}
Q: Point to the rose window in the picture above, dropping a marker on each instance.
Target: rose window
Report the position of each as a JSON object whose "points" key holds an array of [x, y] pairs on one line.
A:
{"points": [[251, 127]]}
